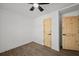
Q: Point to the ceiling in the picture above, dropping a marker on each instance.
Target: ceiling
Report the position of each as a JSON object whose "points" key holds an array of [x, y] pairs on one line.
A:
{"points": [[23, 8]]}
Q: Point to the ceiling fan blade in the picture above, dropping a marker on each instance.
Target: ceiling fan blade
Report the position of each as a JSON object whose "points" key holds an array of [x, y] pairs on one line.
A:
{"points": [[40, 8], [32, 8], [43, 3], [40, 3]]}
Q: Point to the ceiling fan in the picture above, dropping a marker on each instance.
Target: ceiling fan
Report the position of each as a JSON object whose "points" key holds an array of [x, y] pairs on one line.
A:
{"points": [[37, 5]]}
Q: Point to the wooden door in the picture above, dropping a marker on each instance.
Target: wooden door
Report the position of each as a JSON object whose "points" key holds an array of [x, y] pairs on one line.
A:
{"points": [[70, 32], [47, 32]]}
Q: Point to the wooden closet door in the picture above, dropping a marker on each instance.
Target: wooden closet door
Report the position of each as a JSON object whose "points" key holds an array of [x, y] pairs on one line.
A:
{"points": [[70, 35], [47, 32]]}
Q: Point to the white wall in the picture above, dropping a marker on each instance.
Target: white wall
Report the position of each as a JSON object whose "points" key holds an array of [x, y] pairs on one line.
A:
{"points": [[15, 30], [72, 13], [55, 29]]}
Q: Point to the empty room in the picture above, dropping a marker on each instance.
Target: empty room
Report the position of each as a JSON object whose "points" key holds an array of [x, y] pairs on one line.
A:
{"points": [[39, 29]]}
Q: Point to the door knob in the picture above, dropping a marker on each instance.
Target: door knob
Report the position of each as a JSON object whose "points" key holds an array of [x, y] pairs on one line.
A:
{"points": [[64, 34], [49, 34]]}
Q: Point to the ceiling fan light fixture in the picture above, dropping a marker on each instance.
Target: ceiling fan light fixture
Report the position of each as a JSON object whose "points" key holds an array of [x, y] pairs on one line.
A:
{"points": [[35, 5]]}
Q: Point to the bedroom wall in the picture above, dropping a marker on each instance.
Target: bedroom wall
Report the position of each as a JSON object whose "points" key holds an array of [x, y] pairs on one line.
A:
{"points": [[15, 30], [72, 13]]}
